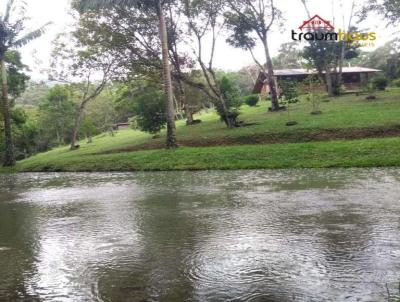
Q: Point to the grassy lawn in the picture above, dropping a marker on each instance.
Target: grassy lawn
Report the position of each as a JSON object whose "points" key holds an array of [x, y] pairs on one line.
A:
{"points": [[357, 153], [346, 112]]}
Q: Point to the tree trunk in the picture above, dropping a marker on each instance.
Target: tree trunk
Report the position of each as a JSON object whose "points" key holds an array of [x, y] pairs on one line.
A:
{"points": [[170, 111], [186, 107], [343, 51], [270, 77], [58, 137], [341, 61], [328, 77], [181, 88], [178, 112], [336, 84], [77, 125], [189, 115], [9, 158]]}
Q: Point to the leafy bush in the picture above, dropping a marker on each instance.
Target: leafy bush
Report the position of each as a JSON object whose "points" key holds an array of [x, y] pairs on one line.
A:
{"points": [[379, 83], [19, 116], [88, 128], [252, 100], [290, 92], [150, 109], [396, 82], [133, 123]]}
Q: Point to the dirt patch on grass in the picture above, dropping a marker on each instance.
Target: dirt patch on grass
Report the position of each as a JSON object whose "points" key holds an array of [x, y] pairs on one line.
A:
{"points": [[296, 136]]}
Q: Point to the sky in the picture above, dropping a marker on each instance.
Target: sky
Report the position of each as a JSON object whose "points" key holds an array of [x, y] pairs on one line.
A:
{"points": [[36, 55]]}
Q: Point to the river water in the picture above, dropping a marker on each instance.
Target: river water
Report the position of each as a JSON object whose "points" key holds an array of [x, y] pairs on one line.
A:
{"points": [[284, 235]]}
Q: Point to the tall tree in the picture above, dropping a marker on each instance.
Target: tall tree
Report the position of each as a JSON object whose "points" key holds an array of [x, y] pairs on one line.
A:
{"points": [[385, 58], [321, 54], [179, 60], [204, 21], [153, 6], [327, 56], [132, 36], [56, 114], [389, 9], [343, 45], [12, 35], [16, 77], [92, 67], [288, 57], [17, 80], [170, 111], [254, 16]]}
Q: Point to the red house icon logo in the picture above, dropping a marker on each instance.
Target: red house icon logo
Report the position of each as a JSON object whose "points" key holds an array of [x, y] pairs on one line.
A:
{"points": [[316, 22]]}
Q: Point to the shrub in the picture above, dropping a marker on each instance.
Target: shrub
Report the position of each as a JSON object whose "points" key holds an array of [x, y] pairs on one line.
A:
{"points": [[252, 100], [150, 109], [133, 123], [290, 92], [396, 82], [379, 83]]}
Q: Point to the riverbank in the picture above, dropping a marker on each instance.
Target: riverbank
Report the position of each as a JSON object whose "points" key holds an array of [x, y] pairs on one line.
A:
{"points": [[356, 153], [350, 132]]}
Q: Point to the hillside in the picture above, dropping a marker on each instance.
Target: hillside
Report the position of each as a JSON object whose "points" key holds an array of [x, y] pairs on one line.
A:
{"points": [[350, 132]]}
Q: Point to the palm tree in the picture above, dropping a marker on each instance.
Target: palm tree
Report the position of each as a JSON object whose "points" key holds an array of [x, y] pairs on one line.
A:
{"points": [[10, 38], [155, 6]]}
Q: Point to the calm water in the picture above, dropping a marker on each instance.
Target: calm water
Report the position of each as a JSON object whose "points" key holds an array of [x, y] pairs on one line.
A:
{"points": [[294, 235]]}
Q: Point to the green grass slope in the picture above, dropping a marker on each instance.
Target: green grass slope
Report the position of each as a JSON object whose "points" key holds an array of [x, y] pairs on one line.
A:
{"points": [[217, 147]]}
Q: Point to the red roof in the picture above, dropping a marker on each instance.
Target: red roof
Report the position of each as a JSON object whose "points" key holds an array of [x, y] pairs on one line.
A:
{"points": [[321, 23]]}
